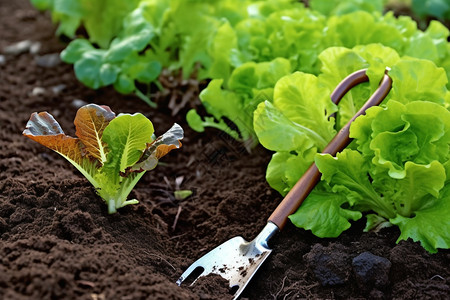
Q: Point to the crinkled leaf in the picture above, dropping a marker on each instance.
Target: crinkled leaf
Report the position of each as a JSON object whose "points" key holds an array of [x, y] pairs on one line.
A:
{"points": [[420, 180], [429, 226], [250, 76], [348, 173], [300, 98], [418, 80], [418, 131]]}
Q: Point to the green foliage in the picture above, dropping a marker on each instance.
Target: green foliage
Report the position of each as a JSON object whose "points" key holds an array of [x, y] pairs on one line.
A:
{"points": [[272, 66], [398, 167], [246, 45], [102, 19], [432, 8]]}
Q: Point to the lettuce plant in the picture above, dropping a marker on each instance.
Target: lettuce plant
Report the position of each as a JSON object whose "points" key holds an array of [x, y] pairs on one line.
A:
{"points": [[112, 152], [396, 171], [243, 46]]}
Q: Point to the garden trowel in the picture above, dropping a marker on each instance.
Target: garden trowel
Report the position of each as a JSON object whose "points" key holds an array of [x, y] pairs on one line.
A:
{"points": [[237, 260]]}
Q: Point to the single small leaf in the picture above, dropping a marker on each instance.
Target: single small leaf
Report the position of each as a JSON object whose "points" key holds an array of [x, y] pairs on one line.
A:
{"points": [[182, 194], [160, 147], [90, 122], [322, 213], [45, 130], [126, 136], [195, 121], [108, 74], [278, 133], [75, 50], [124, 84], [87, 69], [375, 223]]}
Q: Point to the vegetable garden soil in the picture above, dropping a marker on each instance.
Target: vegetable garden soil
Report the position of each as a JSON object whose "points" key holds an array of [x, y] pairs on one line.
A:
{"points": [[58, 242]]}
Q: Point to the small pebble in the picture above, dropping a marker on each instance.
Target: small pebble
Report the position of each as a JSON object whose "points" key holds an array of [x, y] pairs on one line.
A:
{"points": [[35, 48], [56, 113], [48, 60], [18, 48], [77, 103], [38, 91], [2, 60], [57, 89]]}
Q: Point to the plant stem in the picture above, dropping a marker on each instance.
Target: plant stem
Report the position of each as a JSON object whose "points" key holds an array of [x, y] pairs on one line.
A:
{"points": [[145, 98]]}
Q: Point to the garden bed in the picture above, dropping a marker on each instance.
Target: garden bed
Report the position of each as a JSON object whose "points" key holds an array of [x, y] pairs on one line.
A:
{"points": [[58, 242]]}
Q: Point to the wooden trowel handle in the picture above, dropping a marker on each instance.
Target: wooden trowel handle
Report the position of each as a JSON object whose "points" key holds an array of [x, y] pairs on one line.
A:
{"points": [[311, 177]]}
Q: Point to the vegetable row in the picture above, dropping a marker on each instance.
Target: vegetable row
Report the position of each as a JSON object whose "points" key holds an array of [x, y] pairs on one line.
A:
{"points": [[272, 66]]}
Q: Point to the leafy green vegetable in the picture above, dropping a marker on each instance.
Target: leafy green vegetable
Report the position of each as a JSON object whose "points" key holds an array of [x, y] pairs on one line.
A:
{"points": [[399, 162], [101, 18], [248, 85], [338, 7], [243, 46], [435, 8], [397, 172], [112, 152]]}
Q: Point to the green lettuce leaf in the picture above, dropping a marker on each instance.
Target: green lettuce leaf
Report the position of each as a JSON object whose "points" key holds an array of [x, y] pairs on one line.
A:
{"points": [[407, 73], [348, 174], [285, 168], [322, 212], [248, 85], [430, 226]]}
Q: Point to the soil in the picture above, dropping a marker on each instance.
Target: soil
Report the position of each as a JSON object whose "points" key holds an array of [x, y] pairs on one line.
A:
{"points": [[58, 242]]}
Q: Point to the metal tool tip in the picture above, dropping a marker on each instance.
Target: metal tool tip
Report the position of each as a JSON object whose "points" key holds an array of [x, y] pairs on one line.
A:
{"points": [[179, 281]]}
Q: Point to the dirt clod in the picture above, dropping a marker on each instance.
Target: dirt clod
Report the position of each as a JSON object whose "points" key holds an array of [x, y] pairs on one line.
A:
{"points": [[330, 265], [371, 271]]}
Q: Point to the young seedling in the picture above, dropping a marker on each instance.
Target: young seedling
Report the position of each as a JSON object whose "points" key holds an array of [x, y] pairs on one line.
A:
{"points": [[112, 152]]}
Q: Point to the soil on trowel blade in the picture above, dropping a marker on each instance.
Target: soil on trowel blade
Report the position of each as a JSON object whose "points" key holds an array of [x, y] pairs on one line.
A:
{"points": [[57, 240]]}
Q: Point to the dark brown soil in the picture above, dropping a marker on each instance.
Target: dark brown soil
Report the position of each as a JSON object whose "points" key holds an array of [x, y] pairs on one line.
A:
{"points": [[58, 242]]}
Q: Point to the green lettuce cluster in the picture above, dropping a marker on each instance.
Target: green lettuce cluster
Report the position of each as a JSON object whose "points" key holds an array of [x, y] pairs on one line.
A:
{"points": [[243, 46], [298, 35], [397, 170]]}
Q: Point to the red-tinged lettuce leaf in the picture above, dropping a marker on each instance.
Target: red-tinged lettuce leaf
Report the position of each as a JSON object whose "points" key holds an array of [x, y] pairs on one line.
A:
{"points": [[106, 147], [45, 130], [90, 122], [160, 147]]}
